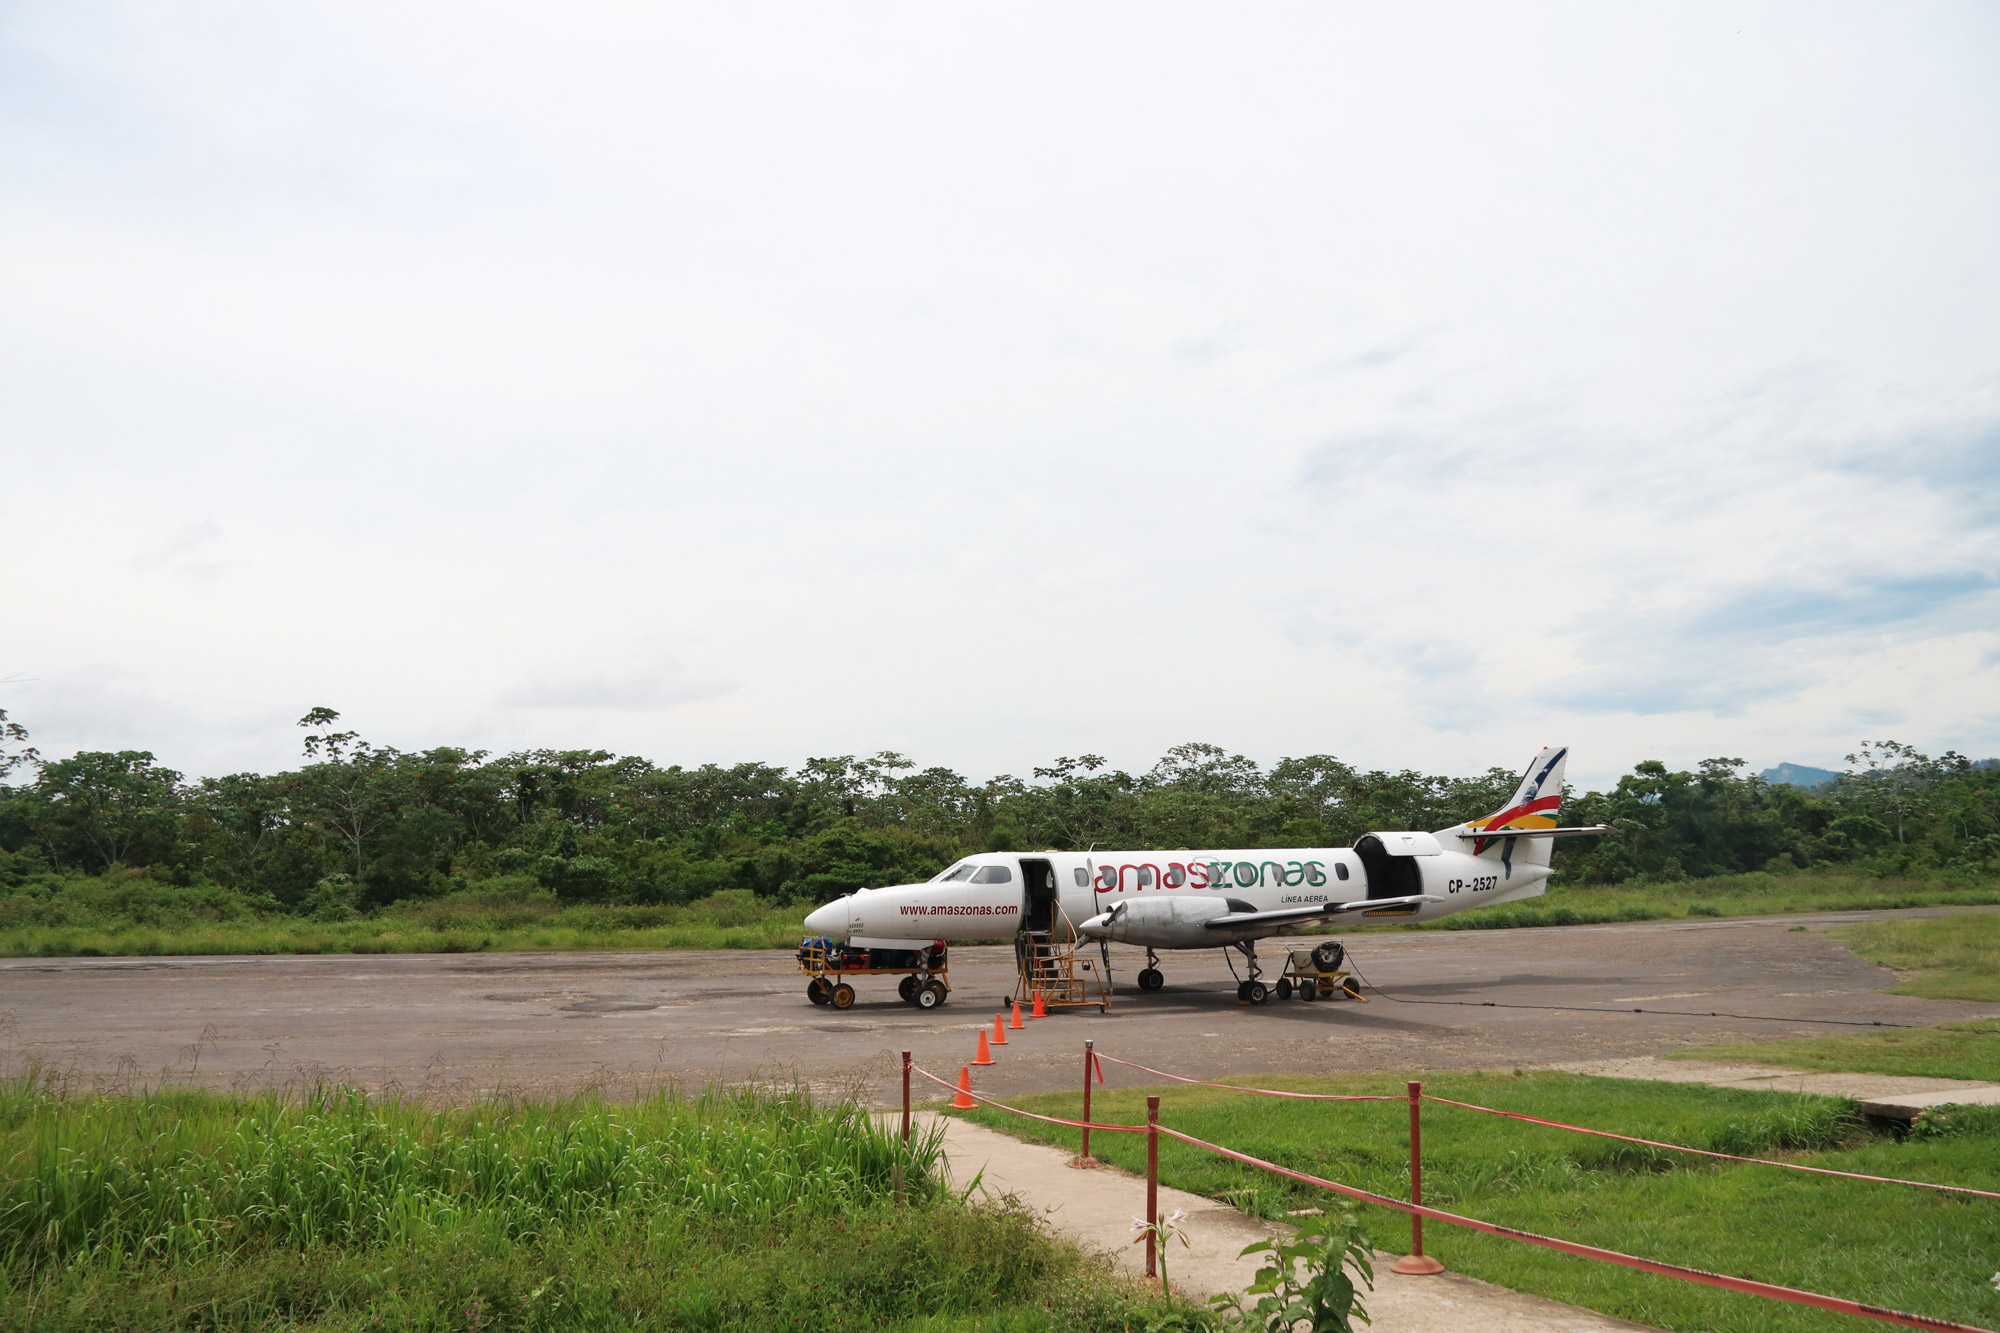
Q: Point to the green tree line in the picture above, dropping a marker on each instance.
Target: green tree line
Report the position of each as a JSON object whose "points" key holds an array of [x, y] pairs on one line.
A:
{"points": [[359, 825]]}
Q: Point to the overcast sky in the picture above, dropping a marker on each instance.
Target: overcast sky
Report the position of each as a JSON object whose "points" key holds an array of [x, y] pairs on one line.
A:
{"points": [[992, 383]]}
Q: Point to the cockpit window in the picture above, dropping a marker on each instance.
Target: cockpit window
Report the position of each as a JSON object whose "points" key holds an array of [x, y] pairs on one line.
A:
{"points": [[993, 875], [956, 873]]}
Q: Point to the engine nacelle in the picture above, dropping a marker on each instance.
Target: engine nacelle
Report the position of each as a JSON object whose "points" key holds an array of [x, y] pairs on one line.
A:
{"points": [[1163, 923]]}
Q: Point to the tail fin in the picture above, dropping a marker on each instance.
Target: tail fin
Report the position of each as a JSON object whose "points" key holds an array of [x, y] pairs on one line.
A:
{"points": [[1536, 802]]}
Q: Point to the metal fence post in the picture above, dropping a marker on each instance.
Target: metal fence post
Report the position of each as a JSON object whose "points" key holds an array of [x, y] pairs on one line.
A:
{"points": [[1416, 1263], [1088, 1056], [903, 1150], [1152, 1184]]}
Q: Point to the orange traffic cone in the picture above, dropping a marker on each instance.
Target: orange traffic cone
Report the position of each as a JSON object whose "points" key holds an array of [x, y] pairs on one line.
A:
{"points": [[1017, 1024], [999, 1030], [964, 1102], [985, 1057], [1039, 1011]]}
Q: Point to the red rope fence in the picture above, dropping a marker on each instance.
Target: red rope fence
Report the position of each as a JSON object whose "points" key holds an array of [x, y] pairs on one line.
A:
{"points": [[1235, 1087], [1417, 1211], [1576, 1129], [1743, 1284], [1002, 1106], [1727, 1157]]}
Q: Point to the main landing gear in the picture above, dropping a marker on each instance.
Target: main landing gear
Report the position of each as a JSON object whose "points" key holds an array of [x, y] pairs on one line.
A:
{"points": [[1252, 990], [1150, 977]]}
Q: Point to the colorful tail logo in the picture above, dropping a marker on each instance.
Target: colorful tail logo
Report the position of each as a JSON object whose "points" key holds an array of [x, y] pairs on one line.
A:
{"points": [[1529, 809]]}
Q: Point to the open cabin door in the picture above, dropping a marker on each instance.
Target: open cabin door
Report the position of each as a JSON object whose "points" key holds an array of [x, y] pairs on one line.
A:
{"points": [[1038, 909], [1045, 948], [1389, 875]]}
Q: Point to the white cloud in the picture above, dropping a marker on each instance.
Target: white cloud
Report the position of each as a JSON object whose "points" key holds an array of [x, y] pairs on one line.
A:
{"points": [[657, 685], [1418, 385]]}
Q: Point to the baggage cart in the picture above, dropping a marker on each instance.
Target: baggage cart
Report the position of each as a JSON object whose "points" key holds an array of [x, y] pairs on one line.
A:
{"points": [[1316, 974], [925, 972]]}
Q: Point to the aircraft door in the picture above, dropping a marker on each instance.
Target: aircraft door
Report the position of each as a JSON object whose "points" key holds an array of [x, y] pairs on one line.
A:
{"points": [[1038, 907], [1388, 876]]}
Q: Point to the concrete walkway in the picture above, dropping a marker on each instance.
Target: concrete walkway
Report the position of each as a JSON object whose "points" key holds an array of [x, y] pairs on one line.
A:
{"points": [[1097, 1208], [1897, 1096]]}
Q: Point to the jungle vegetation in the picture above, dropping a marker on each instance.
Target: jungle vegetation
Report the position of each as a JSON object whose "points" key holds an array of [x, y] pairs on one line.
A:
{"points": [[358, 827]]}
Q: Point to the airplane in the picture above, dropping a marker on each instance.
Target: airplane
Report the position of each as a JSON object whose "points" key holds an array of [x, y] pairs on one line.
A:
{"points": [[1176, 900]]}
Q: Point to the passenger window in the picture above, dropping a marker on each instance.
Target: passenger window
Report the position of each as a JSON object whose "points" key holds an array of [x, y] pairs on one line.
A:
{"points": [[1339, 870], [993, 875], [1145, 877], [1082, 878]]}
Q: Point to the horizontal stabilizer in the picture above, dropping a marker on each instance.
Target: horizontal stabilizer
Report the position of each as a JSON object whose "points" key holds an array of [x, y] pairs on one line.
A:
{"points": [[1283, 915], [1481, 834]]}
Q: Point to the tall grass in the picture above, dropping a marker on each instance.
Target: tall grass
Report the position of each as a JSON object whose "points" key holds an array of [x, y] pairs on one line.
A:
{"points": [[1755, 894], [472, 922], [746, 1211], [182, 1175]]}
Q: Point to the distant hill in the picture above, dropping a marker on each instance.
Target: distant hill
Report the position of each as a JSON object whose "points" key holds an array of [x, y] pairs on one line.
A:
{"points": [[1813, 779], [1798, 775]]}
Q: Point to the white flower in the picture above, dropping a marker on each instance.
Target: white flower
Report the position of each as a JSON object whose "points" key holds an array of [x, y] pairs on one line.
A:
{"points": [[1996, 1282], [1140, 1224]]}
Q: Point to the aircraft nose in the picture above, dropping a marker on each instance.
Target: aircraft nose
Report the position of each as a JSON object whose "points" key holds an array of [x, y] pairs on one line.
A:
{"points": [[828, 920]]}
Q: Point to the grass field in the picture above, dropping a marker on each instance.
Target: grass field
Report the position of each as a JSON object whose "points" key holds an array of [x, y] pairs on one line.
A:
{"points": [[735, 919], [1726, 895], [1904, 1248], [1943, 958], [750, 1211], [1950, 1050], [519, 918]]}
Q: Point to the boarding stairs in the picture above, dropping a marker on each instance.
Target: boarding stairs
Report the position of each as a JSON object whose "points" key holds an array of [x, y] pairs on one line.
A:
{"points": [[1049, 968]]}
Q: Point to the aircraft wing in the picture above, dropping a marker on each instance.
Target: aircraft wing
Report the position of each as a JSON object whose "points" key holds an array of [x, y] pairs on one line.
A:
{"points": [[1286, 915]]}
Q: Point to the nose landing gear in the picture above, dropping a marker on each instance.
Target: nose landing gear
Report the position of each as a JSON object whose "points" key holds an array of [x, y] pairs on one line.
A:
{"points": [[1150, 977]]}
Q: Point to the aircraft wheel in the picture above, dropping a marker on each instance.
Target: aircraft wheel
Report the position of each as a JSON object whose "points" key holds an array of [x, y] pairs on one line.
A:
{"points": [[1327, 957], [1243, 991], [907, 988], [1259, 992], [1151, 979], [931, 996], [818, 991], [1284, 988], [843, 996]]}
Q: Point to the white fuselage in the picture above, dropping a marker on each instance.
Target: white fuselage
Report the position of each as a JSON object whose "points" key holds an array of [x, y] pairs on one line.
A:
{"points": [[1171, 895]]}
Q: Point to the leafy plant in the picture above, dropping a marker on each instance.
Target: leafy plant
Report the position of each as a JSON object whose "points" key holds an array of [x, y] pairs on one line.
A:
{"points": [[1307, 1286]]}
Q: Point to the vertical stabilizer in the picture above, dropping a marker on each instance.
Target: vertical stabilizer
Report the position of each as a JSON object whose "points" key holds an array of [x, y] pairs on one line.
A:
{"points": [[1536, 802]]}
